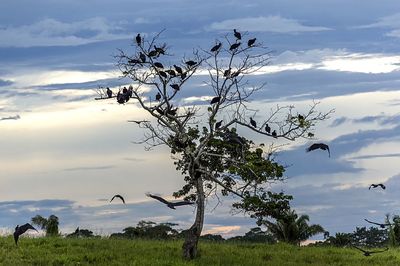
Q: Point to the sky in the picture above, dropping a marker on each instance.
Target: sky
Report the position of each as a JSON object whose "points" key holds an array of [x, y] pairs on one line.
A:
{"points": [[66, 154]]}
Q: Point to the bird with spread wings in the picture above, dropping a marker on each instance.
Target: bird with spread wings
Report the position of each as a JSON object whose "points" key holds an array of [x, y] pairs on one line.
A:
{"points": [[170, 204]]}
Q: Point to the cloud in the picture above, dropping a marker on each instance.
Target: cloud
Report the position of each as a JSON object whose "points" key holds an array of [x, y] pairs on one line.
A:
{"points": [[391, 22], [5, 82], [373, 156], [276, 24], [15, 117], [89, 168], [51, 32]]}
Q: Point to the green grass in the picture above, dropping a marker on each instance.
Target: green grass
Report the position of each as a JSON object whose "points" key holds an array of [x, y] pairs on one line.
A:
{"points": [[59, 251]]}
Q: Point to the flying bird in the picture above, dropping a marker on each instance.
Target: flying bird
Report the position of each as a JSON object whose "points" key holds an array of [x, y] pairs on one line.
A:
{"points": [[109, 92], [234, 46], [216, 47], [158, 65], [175, 86], [251, 42], [381, 225], [368, 253], [267, 128], [321, 146], [237, 34], [118, 196], [19, 230], [215, 100], [377, 185], [170, 204], [138, 39], [253, 123]]}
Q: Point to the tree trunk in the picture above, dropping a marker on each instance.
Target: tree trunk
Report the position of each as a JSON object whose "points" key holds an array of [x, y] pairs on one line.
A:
{"points": [[189, 247]]}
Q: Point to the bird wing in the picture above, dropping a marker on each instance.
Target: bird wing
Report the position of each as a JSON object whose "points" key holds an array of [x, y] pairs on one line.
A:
{"points": [[382, 186], [23, 228], [182, 203], [360, 249], [379, 251], [372, 222], [312, 147], [118, 196], [158, 198]]}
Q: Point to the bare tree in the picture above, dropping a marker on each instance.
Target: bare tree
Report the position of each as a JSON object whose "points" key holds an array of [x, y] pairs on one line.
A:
{"points": [[204, 139]]}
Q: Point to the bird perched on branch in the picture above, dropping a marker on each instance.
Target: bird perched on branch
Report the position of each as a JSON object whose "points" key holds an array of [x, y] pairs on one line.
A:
{"points": [[138, 39], [109, 92], [216, 47], [178, 69], [251, 42], [215, 100], [218, 124], [237, 34], [253, 123], [191, 63], [158, 65], [118, 196], [267, 128], [377, 185], [19, 230], [175, 86], [158, 96], [368, 253], [381, 225], [170, 204], [321, 146], [234, 46]]}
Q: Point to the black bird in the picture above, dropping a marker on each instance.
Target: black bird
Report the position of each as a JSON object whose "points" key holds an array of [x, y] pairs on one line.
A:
{"points": [[300, 117], [237, 34], [216, 47], [138, 39], [215, 100], [175, 86], [274, 134], [109, 92], [19, 230], [381, 225], [153, 53], [267, 128], [171, 72], [142, 57], [321, 146], [183, 76], [159, 50], [253, 123], [118, 196], [227, 72], [170, 204], [120, 98], [368, 253], [191, 63], [251, 42], [377, 185], [234, 46], [134, 61], [158, 96], [162, 74], [178, 69], [218, 124], [158, 65]]}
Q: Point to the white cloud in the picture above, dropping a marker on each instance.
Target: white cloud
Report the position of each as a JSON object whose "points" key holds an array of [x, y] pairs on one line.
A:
{"points": [[51, 32], [391, 22], [266, 24]]}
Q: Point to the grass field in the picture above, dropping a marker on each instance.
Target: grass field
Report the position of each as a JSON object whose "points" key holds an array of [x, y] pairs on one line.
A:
{"points": [[60, 251]]}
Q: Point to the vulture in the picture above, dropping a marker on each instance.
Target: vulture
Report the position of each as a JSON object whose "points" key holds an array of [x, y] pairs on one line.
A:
{"points": [[109, 92], [19, 230], [377, 185], [381, 225], [118, 196], [183, 76], [251, 42], [191, 63], [171, 72], [227, 72], [170, 204], [153, 53], [321, 146], [175, 86], [159, 50], [178, 69], [234, 46], [215, 100], [120, 98], [267, 128], [237, 34], [158, 65], [368, 253], [274, 134], [218, 124], [162, 74], [138, 39], [216, 47], [142, 57], [158, 96], [253, 123]]}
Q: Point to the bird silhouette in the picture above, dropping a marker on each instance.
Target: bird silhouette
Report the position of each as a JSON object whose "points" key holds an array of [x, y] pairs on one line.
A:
{"points": [[274, 134], [321, 146], [377, 185], [216, 47], [175, 86], [218, 124], [251, 42], [191, 63], [142, 57], [234, 46], [160, 50], [183, 76], [178, 69], [158, 96], [158, 65], [253, 123], [118, 196], [267, 128], [381, 225], [170, 204], [368, 253], [162, 74], [120, 98], [227, 72], [215, 100], [171, 72], [153, 53], [138, 39], [19, 230], [237, 34], [109, 92]]}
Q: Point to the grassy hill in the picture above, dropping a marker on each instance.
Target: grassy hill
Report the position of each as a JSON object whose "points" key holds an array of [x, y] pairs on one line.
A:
{"points": [[60, 251]]}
